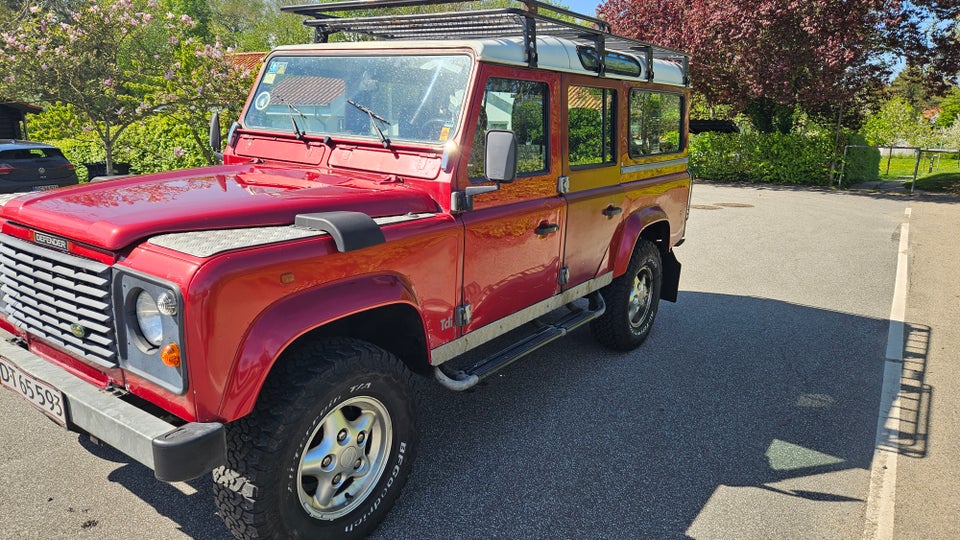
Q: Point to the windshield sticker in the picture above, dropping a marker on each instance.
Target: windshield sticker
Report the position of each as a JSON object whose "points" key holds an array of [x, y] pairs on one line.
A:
{"points": [[273, 67], [445, 132], [281, 68], [269, 77], [262, 101]]}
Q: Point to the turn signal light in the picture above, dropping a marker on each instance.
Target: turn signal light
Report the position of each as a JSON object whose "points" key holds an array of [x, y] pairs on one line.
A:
{"points": [[170, 355]]}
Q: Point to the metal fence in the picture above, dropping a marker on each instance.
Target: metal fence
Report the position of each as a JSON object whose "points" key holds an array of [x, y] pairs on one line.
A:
{"points": [[916, 150]]}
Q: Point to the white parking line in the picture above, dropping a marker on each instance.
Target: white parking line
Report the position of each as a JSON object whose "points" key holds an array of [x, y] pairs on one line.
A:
{"points": [[881, 501]]}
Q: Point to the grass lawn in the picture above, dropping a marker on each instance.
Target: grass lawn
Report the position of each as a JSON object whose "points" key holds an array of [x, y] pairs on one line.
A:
{"points": [[945, 181], [901, 168], [941, 173]]}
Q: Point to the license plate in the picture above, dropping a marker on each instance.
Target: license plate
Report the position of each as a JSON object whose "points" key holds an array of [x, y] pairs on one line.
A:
{"points": [[45, 188], [43, 396]]}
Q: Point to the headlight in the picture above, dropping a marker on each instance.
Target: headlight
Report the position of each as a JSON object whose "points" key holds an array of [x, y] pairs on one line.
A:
{"points": [[150, 333], [148, 319]]}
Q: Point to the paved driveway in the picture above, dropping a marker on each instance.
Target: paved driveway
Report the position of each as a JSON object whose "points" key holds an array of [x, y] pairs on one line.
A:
{"points": [[751, 412]]}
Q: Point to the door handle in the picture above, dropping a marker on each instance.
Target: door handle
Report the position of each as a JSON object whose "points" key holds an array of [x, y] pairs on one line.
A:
{"points": [[546, 228], [611, 211]]}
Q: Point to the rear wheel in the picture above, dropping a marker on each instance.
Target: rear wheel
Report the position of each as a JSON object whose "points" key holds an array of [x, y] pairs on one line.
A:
{"points": [[327, 449], [632, 301]]}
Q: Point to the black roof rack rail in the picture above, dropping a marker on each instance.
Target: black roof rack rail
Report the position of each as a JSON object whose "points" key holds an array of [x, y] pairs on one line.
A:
{"points": [[526, 21]]}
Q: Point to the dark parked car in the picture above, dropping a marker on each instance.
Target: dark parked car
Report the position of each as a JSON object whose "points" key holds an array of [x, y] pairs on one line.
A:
{"points": [[30, 166]]}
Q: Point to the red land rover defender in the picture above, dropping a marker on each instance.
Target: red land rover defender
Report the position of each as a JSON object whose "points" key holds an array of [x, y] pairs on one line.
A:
{"points": [[383, 207]]}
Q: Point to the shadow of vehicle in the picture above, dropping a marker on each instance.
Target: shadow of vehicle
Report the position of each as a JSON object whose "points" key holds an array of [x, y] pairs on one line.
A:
{"points": [[580, 442]]}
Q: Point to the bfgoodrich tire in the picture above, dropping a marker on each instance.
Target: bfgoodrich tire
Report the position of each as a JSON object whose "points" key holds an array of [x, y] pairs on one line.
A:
{"points": [[327, 449], [632, 301]]}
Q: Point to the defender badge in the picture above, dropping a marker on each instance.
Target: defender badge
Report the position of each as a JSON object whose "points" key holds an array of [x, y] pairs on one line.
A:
{"points": [[50, 240], [78, 330]]}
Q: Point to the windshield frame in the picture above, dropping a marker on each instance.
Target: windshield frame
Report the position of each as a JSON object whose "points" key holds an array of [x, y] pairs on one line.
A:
{"points": [[382, 127]]}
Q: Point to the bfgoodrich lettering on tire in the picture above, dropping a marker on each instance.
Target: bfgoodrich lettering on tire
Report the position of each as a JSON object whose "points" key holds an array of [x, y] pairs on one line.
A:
{"points": [[632, 301], [327, 449]]}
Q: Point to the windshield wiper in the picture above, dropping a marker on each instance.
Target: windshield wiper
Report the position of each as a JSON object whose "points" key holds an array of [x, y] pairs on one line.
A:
{"points": [[298, 133], [373, 118]]}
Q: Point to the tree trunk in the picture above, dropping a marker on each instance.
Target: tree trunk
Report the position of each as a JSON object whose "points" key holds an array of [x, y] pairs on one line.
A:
{"points": [[108, 148], [836, 144]]}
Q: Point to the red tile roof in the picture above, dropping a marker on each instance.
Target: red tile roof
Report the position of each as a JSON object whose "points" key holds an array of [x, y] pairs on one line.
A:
{"points": [[247, 60], [309, 90]]}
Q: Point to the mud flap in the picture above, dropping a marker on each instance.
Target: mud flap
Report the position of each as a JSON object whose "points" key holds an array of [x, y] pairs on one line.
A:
{"points": [[671, 277]]}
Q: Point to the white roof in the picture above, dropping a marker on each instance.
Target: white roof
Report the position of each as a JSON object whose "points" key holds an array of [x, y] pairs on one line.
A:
{"points": [[554, 54]]}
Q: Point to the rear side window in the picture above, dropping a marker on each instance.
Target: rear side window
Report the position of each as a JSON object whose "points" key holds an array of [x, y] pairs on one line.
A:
{"points": [[520, 106], [656, 122], [590, 126]]}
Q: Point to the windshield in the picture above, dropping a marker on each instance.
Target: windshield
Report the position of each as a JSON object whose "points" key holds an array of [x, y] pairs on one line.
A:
{"points": [[390, 98]]}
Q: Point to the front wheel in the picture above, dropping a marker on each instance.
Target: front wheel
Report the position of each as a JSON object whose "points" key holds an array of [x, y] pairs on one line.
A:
{"points": [[632, 301], [327, 449]]}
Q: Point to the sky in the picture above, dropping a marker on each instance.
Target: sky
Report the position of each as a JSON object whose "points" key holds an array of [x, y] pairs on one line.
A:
{"points": [[585, 7]]}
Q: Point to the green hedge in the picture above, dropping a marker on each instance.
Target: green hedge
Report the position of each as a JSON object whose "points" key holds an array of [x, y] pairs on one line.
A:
{"points": [[773, 158], [861, 164]]}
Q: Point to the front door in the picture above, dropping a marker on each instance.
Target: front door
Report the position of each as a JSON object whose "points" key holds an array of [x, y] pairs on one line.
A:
{"points": [[513, 237]]}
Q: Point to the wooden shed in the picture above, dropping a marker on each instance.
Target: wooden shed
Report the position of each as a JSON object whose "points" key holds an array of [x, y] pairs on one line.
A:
{"points": [[13, 123]]}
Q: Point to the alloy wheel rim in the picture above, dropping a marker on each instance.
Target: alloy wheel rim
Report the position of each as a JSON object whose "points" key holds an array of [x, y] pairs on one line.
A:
{"points": [[344, 458], [641, 297]]}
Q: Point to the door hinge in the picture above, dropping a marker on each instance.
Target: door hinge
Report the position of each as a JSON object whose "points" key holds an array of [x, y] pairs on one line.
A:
{"points": [[564, 276], [563, 185], [462, 315]]}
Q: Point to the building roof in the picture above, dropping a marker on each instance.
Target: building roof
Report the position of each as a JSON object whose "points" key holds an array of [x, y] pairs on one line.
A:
{"points": [[247, 60], [22, 107], [312, 90]]}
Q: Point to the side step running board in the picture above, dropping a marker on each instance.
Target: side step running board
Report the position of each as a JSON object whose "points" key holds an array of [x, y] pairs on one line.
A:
{"points": [[467, 378]]}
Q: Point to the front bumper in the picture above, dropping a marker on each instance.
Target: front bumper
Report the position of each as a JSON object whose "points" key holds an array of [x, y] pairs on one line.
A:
{"points": [[174, 453]]}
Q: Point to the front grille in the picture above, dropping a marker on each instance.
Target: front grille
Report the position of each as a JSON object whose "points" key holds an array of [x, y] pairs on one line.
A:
{"points": [[52, 295]]}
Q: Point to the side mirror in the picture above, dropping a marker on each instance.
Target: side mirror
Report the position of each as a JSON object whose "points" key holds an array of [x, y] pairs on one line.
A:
{"points": [[500, 160], [216, 144]]}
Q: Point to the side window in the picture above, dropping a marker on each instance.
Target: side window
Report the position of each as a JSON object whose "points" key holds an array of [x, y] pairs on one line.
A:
{"points": [[656, 122], [520, 106], [591, 129]]}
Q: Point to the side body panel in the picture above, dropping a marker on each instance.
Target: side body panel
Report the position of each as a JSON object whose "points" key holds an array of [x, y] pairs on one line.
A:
{"points": [[244, 307]]}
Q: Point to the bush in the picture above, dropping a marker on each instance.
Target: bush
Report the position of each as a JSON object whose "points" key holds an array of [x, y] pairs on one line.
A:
{"points": [[773, 158], [159, 143], [861, 164]]}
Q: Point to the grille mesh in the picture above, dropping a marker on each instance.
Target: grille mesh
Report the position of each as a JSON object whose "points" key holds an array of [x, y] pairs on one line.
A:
{"points": [[45, 292]]}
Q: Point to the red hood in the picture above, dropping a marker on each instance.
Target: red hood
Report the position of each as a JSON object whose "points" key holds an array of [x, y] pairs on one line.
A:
{"points": [[114, 214]]}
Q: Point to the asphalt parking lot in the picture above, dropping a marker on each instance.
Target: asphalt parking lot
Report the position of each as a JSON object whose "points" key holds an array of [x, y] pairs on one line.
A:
{"points": [[751, 412]]}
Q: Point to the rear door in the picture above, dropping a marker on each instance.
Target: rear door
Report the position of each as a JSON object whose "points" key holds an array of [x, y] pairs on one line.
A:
{"points": [[591, 163]]}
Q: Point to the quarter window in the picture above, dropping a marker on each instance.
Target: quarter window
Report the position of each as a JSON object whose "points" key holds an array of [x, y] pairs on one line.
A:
{"points": [[656, 121], [519, 106], [591, 130]]}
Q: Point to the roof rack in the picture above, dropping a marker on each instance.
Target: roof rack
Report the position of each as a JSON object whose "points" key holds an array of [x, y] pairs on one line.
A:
{"points": [[526, 21]]}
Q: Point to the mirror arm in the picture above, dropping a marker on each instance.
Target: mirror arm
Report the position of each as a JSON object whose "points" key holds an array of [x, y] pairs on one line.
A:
{"points": [[462, 201], [216, 141]]}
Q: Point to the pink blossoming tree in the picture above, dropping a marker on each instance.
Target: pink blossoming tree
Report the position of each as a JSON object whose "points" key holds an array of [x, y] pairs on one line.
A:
{"points": [[117, 62]]}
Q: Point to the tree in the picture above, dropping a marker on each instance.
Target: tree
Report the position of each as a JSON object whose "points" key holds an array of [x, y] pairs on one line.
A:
{"points": [[913, 84], [949, 108], [115, 63], [927, 35], [951, 136], [897, 122], [767, 57]]}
